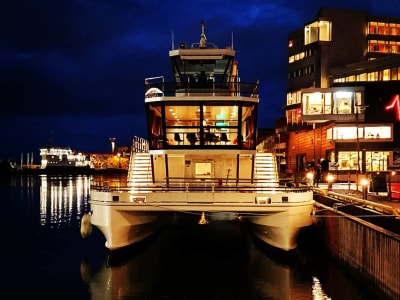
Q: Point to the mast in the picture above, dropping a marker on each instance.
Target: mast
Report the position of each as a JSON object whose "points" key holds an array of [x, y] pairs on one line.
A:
{"points": [[203, 39]]}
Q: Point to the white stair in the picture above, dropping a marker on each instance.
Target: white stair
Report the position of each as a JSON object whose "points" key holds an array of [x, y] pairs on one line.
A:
{"points": [[265, 169], [139, 172]]}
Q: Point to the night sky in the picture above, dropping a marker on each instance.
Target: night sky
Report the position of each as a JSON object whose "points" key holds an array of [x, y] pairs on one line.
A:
{"points": [[72, 71]]}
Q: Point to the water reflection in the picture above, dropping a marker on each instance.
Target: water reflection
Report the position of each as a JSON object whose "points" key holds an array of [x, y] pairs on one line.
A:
{"points": [[63, 199], [218, 260], [214, 261]]}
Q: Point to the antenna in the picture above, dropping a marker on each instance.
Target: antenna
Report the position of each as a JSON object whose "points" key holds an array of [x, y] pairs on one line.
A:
{"points": [[203, 39], [232, 41], [172, 40]]}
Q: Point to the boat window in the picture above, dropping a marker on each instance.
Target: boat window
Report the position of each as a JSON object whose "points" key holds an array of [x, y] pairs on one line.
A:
{"points": [[203, 169], [202, 124]]}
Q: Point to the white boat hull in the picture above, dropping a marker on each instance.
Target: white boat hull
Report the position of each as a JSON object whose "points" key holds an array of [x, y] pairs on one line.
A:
{"points": [[122, 226], [124, 221], [280, 230]]}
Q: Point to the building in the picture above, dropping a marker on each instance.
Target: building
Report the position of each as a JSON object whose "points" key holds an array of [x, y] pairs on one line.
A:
{"points": [[119, 159], [343, 87]]}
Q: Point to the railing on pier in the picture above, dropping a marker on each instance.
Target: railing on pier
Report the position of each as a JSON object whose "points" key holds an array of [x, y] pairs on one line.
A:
{"points": [[369, 250], [365, 203]]}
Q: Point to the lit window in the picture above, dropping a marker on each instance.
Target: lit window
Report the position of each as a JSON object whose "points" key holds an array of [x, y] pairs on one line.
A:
{"points": [[318, 31]]}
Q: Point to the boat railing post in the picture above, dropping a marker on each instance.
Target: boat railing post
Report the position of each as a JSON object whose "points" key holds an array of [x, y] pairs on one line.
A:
{"points": [[187, 186], [213, 86]]}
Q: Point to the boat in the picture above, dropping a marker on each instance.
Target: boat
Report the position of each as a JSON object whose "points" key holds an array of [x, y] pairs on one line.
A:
{"points": [[200, 157], [63, 160]]}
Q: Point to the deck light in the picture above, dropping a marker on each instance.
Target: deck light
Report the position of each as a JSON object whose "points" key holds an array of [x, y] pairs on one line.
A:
{"points": [[310, 177], [330, 179], [364, 184]]}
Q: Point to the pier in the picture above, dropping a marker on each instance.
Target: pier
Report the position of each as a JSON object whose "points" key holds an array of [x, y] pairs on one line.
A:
{"points": [[361, 232]]}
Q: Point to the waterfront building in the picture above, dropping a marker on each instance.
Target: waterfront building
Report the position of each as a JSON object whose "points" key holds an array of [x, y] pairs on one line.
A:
{"points": [[119, 159], [343, 90]]}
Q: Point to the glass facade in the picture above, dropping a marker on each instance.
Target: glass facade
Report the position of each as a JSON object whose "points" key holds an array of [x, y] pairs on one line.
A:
{"points": [[341, 102], [317, 31], [202, 124], [375, 161]]}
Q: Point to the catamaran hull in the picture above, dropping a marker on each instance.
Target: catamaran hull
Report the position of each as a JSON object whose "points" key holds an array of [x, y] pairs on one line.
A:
{"points": [[124, 223], [280, 230], [122, 226]]}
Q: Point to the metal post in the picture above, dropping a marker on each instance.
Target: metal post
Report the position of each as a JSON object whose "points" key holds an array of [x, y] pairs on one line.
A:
{"points": [[330, 182], [358, 148], [390, 185]]}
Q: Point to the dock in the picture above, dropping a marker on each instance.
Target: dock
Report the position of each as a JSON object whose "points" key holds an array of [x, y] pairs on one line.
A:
{"points": [[362, 232]]}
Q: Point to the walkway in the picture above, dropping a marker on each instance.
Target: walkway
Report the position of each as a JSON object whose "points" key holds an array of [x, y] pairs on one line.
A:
{"points": [[351, 189]]}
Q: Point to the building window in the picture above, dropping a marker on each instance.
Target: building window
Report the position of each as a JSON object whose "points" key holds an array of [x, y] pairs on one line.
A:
{"points": [[317, 31], [365, 133], [385, 75], [348, 160], [343, 102], [312, 103], [328, 103]]}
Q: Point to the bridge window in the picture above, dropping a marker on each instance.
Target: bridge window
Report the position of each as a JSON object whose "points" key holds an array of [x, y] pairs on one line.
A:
{"points": [[202, 124]]}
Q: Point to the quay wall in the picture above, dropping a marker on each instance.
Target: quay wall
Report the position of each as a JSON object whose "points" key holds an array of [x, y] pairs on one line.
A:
{"points": [[372, 253]]}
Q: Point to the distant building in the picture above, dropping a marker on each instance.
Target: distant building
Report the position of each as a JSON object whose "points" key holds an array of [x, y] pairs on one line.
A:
{"points": [[117, 160], [343, 92]]}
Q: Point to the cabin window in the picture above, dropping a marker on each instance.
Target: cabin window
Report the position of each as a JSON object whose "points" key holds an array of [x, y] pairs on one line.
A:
{"points": [[203, 169], [202, 124]]}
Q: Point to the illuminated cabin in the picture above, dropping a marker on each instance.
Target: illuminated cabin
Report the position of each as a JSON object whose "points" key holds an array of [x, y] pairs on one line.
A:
{"points": [[205, 107], [201, 157]]}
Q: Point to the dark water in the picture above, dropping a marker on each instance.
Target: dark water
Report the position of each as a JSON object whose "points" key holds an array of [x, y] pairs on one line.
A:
{"points": [[43, 255]]}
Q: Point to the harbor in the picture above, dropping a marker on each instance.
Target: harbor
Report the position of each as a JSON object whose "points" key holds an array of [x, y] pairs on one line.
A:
{"points": [[361, 231], [220, 260], [227, 185]]}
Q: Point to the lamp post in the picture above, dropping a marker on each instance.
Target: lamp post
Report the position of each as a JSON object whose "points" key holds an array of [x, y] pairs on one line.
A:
{"points": [[278, 150], [330, 179], [364, 184], [310, 177], [357, 148], [359, 108], [390, 174], [112, 141]]}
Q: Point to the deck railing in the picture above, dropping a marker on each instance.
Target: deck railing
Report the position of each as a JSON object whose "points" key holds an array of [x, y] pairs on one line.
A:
{"points": [[213, 88], [215, 185]]}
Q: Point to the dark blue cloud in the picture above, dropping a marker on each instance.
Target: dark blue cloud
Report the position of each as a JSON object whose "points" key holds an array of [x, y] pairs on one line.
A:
{"points": [[77, 67]]}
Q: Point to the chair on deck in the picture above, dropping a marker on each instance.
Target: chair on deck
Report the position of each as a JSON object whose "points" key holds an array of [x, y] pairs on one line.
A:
{"points": [[177, 138], [224, 138], [211, 137], [192, 138]]}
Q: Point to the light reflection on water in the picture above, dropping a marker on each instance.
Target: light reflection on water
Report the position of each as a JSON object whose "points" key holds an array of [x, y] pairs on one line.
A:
{"points": [[62, 198], [214, 261], [219, 260]]}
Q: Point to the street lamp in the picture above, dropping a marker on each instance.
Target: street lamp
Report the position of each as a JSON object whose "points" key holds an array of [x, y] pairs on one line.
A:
{"points": [[364, 184], [359, 108], [119, 160], [310, 177], [330, 179], [390, 174]]}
